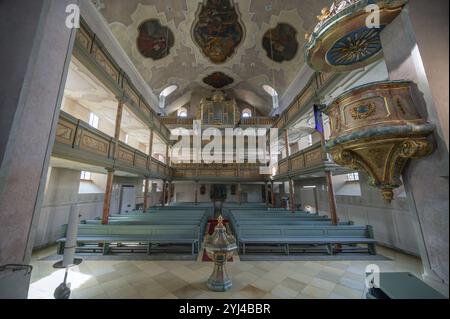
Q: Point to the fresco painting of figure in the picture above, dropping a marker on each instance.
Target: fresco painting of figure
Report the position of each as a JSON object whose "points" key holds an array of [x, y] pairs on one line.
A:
{"points": [[281, 43], [154, 40], [218, 31]]}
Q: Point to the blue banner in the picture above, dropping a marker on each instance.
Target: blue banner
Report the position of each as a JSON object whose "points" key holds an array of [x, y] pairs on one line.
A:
{"points": [[318, 119]]}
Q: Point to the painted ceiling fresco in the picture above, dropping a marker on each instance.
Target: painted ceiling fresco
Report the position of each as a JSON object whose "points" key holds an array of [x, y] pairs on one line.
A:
{"points": [[227, 36], [218, 80], [218, 31], [281, 43], [154, 40]]}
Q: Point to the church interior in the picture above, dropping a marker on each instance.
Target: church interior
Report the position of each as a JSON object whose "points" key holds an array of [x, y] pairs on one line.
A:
{"points": [[224, 149]]}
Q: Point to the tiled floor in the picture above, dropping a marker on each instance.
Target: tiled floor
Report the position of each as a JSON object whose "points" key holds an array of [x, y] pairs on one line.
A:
{"points": [[187, 279]]}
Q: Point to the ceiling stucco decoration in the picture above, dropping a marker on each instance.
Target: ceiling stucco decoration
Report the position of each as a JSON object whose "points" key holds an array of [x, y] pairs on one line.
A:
{"points": [[217, 30], [154, 40], [218, 80], [281, 43], [187, 65]]}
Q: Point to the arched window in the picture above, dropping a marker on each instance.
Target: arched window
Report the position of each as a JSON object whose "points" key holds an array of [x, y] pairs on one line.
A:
{"points": [[273, 93], [247, 113], [165, 93], [182, 112]]}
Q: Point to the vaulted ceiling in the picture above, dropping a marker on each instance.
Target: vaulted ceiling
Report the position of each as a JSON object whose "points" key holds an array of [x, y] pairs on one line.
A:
{"points": [[233, 45]]}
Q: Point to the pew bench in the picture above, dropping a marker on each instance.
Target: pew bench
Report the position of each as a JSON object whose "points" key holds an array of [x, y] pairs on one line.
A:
{"points": [[285, 236], [102, 237]]}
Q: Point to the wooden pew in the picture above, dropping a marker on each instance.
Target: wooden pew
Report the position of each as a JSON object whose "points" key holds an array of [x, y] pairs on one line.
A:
{"points": [[288, 235], [90, 237]]}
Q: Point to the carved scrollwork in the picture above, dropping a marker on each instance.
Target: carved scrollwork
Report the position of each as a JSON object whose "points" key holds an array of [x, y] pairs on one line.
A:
{"points": [[415, 148], [379, 146]]}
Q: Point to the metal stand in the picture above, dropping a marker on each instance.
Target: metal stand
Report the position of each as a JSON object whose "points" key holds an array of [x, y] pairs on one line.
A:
{"points": [[69, 260]]}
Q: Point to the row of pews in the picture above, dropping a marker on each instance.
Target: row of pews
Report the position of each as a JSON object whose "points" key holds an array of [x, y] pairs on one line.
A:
{"points": [[169, 229], [180, 228], [278, 230]]}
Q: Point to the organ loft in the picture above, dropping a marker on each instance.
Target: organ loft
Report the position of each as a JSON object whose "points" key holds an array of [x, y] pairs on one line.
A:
{"points": [[230, 149]]}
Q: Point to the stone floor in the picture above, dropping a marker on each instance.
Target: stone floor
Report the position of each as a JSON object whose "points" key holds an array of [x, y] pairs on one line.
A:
{"points": [[187, 279]]}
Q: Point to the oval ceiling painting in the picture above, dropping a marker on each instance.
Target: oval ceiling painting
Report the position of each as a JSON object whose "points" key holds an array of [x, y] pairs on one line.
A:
{"points": [[281, 43], [218, 31], [218, 80], [154, 40]]}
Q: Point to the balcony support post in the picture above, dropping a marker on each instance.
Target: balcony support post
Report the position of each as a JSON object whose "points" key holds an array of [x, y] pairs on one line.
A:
{"points": [[196, 193], [292, 195], [239, 193], [266, 190], [146, 184], [169, 192], [107, 198], [163, 201], [150, 147], [272, 191], [118, 127]]}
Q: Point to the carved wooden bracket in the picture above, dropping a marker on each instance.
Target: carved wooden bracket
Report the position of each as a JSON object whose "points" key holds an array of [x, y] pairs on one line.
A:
{"points": [[379, 139]]}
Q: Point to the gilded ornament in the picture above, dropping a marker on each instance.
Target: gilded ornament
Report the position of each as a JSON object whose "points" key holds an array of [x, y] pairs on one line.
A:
{"points": [[363, 111], [381, 146]]}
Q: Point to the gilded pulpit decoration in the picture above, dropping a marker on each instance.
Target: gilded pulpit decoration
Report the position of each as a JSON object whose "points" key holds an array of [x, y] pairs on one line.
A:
{"points": [[218, 110], [281, 43], [218, 80], [370, 133], [347, 36], [355, 47], [218, 31], [363, 111], [154, 40]]}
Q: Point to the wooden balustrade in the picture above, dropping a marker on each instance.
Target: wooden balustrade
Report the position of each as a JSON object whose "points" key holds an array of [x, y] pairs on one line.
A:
{"points": [[77, 140], [313, 157]]}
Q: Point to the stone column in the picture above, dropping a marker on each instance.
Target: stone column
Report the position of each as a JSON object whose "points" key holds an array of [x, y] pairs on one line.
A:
{"points": [[107, 197], [415, 47], [34, 60], [146, 182]]}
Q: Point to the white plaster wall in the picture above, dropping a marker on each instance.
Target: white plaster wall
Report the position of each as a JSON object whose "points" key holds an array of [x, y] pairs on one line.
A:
{"points": [[63, 192], [185, 192], [393, 223]]}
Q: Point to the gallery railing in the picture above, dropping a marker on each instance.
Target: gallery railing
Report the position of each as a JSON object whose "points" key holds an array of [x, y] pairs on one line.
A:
{"points": [[79, 141], [313, 158]]}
